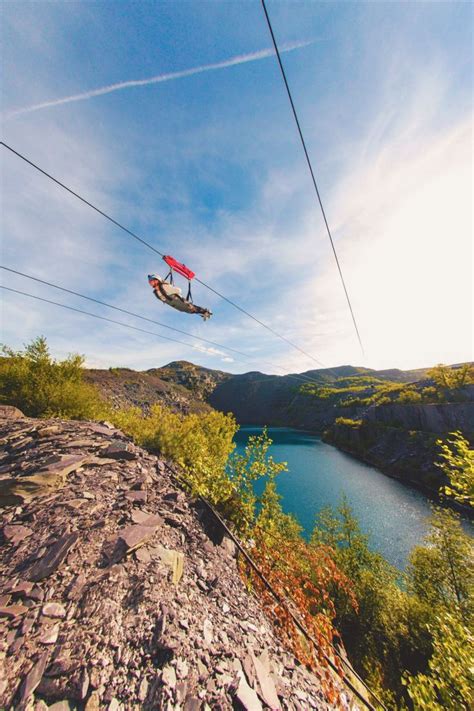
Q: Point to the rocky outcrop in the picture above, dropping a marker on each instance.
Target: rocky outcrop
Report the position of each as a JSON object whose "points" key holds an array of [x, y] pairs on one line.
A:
{"points": [[195, 378], [118, 592], [122, 387], [400, 440], [436, 418], [408, 456], [8, 412]]}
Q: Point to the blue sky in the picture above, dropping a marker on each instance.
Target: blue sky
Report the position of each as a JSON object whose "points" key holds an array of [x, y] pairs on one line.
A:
{"points": [[208, 167]]}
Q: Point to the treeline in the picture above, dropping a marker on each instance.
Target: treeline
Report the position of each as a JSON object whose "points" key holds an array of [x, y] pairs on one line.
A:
{"points": [[443, 384], [407, 635]]}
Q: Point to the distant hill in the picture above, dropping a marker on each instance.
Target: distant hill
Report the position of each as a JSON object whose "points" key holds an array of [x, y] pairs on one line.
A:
{"points": [[358, 409], [254, 397]]}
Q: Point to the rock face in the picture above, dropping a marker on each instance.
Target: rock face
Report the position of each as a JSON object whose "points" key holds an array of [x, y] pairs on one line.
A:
{"points": [[401, 439], [124, 388], [436, 418], [115, 602], [258, 399], [8, 412], [196, 379]]}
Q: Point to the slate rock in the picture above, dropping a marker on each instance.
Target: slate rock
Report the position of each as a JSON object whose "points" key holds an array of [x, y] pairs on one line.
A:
{"points": [[168, 676], [129, 539], [192, 704], [208, 631], [145, 518], [21, 588], [53, 609], [267, 686], [93, 702], [55, 555], [119, 450], [15, 534], [143, 555], [33, 678], [143, 690], [50, 635], [173, 559], [8, 412], [13, 611], [247, 696], [138, 497]]}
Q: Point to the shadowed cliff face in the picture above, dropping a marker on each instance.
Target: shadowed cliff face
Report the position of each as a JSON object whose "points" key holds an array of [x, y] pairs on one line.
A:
{"points": [[401, 440], [437, 418], [258, 399]]}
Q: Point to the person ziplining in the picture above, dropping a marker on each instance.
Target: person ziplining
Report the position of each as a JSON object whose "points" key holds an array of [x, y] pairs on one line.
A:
{"points": [[168, 293]]}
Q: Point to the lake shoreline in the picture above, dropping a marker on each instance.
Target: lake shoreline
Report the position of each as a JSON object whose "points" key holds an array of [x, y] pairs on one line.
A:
{"points": [[395, 517], [431, 494]]}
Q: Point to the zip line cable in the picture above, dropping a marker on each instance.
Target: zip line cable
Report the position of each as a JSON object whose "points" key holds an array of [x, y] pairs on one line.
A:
{"points": [[144, 318], [283, 600], [88, 313], [121, 323], [117, 308], [313, 178], [147, 244]]}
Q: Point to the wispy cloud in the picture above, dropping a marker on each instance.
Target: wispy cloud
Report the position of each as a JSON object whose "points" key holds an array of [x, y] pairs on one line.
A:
{"points": [[158, 79], [210, 350]]}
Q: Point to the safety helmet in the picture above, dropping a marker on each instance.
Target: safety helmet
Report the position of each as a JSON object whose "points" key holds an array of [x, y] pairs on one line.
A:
{"points": [[152, 277]]}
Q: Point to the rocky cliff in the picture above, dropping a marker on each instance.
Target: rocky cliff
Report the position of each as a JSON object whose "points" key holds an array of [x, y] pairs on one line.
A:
{"points": [[123, 387], [257, 399], [401, 439], [116, 590]]}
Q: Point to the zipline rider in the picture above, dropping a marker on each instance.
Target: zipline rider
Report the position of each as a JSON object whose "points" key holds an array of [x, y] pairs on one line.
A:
{"points": [[170, 294]]}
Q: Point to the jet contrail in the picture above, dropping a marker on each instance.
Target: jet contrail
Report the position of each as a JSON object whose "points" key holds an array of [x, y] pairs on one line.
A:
{"points": [[232, 61]]}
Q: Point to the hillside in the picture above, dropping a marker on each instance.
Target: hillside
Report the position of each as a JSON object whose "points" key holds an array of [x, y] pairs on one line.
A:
{"points": [[276, 400], [118, 590], [360, 411], [123, 387], [200, 381], [254, 398]]}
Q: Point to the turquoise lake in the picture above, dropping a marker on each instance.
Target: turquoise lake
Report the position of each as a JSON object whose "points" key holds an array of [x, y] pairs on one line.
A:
{"points": [[394, 515]]}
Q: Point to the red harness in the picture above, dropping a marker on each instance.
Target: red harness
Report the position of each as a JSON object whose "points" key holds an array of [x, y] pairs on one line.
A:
{"points": [[178, 267]]}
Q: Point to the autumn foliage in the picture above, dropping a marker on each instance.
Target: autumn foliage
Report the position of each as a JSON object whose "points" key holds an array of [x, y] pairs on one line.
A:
{"points": [[301, 578]]}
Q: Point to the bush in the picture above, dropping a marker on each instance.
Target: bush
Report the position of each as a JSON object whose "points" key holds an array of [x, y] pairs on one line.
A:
{"points": [[458, 465], [41, 386], [409, 396], [450, 680], [447, 378], [348, 422], [199, 444]]}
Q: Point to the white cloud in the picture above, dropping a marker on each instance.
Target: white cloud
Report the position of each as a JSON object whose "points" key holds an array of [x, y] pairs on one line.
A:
{"points": [[400, 214]]}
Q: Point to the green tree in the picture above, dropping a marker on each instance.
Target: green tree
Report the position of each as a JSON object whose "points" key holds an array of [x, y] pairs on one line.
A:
{"points": [[243, 471], [272, 523], [373, 632], [41, 386], [409, 396], [450, 682], [441, 573], [447, 378], [458, 465]]}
